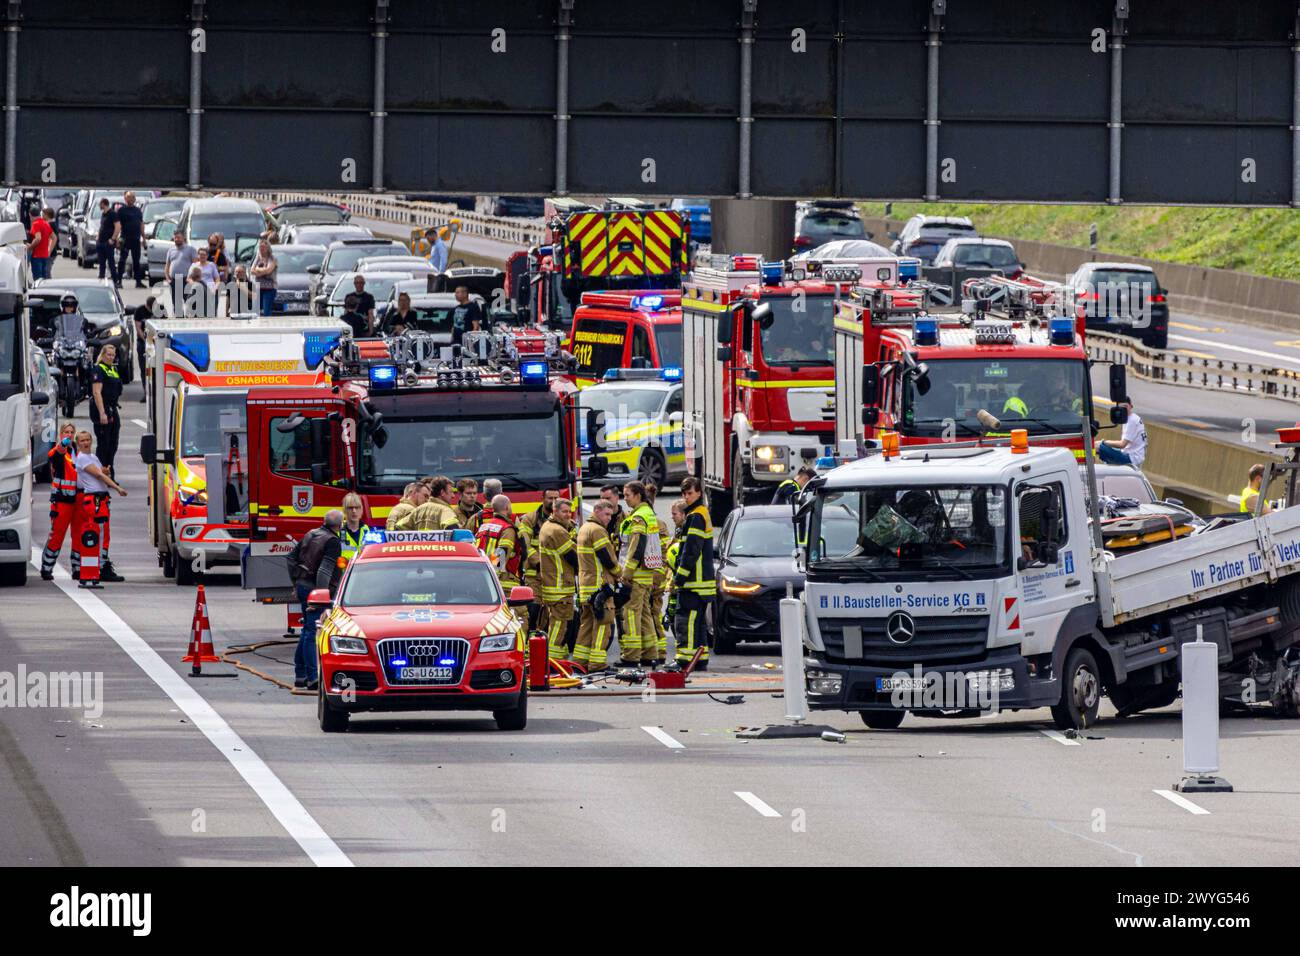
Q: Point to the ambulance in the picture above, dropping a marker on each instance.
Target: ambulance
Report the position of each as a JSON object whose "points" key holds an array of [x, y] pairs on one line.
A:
{"points": [[199, 372]]}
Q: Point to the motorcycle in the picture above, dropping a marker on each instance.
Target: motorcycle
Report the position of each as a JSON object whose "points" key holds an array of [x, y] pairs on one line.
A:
{"points": [[70, 356]]}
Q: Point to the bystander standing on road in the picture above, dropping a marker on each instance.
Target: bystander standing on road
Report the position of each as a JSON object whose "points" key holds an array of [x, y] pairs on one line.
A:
{"points": [[263, 271], [240, 297], [93, 484], [315, 562], [104, 244], [207, 270], [41, 243], [128, 234], [438, 247], [217, 256], [177, 269], [365, 301]]}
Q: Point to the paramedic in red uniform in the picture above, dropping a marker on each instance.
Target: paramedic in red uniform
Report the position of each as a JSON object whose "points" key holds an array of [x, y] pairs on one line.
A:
{"points": [[63, 499]]}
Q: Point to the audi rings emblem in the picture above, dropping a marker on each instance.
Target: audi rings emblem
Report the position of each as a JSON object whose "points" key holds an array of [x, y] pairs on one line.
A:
{"points": [[900, 628], [423, 650]]}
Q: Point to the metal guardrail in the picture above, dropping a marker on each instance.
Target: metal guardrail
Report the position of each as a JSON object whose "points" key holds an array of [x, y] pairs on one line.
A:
{"points": [[408, 213], [1211, 374]]}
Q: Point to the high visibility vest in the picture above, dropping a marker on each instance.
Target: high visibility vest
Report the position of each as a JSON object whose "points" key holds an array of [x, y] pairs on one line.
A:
{"points": [[352, 543], [1245, 493], [63, 475], [109, 370], [1016, 405], [641, 524], [500, 550]]}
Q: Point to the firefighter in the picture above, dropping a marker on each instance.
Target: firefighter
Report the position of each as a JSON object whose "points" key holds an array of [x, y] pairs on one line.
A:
{"points": [[529, 527], [613, 493], [788, 490], [354, 530], [436, 514], [678, 512], [499, 540], [641, 557], [660, 589], [558, 566], [93, 484], [413, 495], [63, 499], [694, 579], [467, 509], [491, 488], [597, 566]]}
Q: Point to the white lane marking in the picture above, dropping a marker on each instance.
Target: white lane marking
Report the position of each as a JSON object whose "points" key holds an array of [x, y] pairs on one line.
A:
{"points": [[756, 803], [1178, 800], [664, 738], [293, 816], [141, 422], [1059, 737], [1274, 356]]}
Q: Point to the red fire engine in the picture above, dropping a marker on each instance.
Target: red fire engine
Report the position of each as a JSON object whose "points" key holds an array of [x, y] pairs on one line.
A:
{"points": [[758, 375], [624, 244], [1001, 356], [393, 413], [640, 329]]}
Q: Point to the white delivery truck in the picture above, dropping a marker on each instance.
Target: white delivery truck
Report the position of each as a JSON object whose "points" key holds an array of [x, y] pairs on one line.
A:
{"points": [[16, 400], [199, 372], [950, 580]]}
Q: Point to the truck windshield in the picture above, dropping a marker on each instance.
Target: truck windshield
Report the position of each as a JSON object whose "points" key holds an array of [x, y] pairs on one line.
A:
{"points": [[669, 340], [956, 528], [202, 421], [9, 364], [1043, 396], [803, 335], [526, 452]]}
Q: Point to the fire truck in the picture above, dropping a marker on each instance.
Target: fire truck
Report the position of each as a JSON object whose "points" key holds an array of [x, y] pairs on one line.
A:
{"points": [[499, 406], [623, 244], [199, 372], [759, 376], [640, 329], [932, 367]]}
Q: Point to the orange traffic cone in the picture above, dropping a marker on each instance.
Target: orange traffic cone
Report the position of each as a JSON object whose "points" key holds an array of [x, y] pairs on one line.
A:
{"points": [[201, 650]]}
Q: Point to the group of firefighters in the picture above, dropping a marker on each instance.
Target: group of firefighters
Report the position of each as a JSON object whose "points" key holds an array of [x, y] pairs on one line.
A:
{"points": [[618, 570]]}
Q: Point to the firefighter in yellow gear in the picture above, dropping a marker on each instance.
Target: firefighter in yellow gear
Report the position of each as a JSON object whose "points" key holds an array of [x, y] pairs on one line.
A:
{"points": [[695, 580], [597, 566], [670, 559], [529, 527], [414, 495], [556, 575], [468, 512], [436, 514], [642, 558]]}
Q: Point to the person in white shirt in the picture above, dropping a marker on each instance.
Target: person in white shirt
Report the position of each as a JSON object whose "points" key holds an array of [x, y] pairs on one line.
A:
{"points": [[1131, 447], [94, 482]]}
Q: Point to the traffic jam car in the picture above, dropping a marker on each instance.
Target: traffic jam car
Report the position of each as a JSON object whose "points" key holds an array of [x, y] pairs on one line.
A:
{"points": [[420, 623]]}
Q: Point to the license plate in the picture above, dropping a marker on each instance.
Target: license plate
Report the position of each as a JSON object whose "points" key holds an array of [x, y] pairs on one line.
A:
{"points": [[889, 684], [424, 673]]}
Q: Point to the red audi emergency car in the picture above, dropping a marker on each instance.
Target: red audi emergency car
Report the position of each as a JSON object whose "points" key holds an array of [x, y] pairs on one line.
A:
{"points": [[420, 623]]}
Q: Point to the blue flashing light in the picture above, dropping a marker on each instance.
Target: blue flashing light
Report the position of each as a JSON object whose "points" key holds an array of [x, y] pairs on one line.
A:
{"points": [[773, 273], [650, 303], [533, 373], [462, 534], [926, 331], [398, 661], [316, 344], [611, 375], [909, 269], [826, 463], [671, 373], [383, 377], [447, 661], [1061, 330], [193, 346], [374, 536]]}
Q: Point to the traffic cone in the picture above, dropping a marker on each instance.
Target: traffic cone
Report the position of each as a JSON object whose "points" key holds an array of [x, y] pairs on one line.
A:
{"points": [[201, 651]]}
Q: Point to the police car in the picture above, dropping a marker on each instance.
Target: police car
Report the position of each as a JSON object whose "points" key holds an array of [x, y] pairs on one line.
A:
{"points": [[642, 410], [420, 623]]}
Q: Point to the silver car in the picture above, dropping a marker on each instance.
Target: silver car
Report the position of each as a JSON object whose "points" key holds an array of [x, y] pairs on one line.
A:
{"points": [[157, 242], [45, 415]]}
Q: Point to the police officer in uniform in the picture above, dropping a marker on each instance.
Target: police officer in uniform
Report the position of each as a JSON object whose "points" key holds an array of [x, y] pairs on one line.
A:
{"points": [[354, 530], [696, 583], [788, 490], [597, 566]]}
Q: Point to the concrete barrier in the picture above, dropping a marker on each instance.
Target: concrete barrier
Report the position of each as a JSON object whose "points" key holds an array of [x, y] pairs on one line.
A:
{"points": [[1217, 293], [1201, 472]]}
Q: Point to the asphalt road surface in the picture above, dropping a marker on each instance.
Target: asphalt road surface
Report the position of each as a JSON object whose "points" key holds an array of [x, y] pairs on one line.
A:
{"points": [[235, 771]]}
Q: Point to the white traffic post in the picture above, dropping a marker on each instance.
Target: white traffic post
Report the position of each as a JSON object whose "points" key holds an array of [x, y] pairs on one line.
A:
{"points": [[796, 707], [1200, 666]]}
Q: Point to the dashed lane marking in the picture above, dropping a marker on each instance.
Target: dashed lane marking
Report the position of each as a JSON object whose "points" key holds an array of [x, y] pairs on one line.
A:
{"points": [[756, 803], [1195, 354], [1178, 800], [293, 816], [1059, 737], [1188, 326], [664, 738]]}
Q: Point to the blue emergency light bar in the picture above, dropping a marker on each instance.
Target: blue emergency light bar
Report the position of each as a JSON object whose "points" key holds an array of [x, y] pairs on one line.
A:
{"points": [[925, 331], [534, 373], [1061, 330], [380, 536], [672, 373], [773, 272], [193, 346], [318, 343], [650, 303], [383, 377]]}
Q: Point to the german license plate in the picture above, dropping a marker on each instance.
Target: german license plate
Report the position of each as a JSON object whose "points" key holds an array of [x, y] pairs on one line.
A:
{"points": [[424, 673], [890, 684]]}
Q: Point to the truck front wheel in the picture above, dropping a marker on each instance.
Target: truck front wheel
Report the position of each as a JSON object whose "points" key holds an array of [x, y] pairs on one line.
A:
{"points": [[1080, 691], [882, 719]]}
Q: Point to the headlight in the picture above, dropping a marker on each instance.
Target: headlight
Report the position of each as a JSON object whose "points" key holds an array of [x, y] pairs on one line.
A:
{"points": [[9, 502], [112, 332], [347, 645], [768, 452], [737, 586], [823, 682], [497, 642], [194, 496]]}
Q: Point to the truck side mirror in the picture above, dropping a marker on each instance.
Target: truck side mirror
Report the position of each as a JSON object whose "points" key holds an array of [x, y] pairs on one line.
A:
{"points": [[870, 415], [1118, 383], [724, 329], [724, 353], [148, 448], [762, 314], [597, 466], [1118, 414], [596, 431], [870, 384]]}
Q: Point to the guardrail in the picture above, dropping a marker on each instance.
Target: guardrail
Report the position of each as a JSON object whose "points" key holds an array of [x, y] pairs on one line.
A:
{"points": [[1172, 368], [410, 213]]}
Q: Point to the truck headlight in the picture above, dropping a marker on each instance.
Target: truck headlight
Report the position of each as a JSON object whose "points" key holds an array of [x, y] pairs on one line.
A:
{"points": [[347, 645], [9, 502], [823, 682], [497, 642], [770, 452]]}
